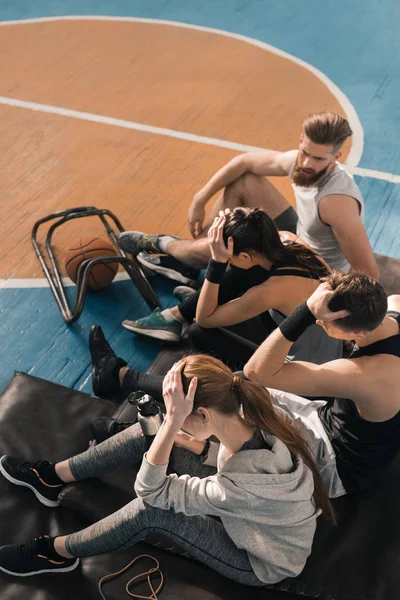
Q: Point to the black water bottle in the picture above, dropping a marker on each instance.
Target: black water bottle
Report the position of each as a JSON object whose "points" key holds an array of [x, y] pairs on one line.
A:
{"points": [[150, 416]]}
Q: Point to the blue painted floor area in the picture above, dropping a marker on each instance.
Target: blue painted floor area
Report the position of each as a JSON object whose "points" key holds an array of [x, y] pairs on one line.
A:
{"points": [[36, 340], [356, 44], [382, 221]]}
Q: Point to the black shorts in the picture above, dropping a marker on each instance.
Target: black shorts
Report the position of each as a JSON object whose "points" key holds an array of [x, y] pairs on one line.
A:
{"points": [[287, 221]]}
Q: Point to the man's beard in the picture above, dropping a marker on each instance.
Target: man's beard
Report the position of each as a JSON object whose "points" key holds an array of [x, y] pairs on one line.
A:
{"points": [[306, 180]]}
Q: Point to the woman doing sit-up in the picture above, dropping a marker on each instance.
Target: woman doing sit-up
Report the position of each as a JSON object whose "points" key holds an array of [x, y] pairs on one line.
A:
{"points": [[266, 491], [266, 277]]}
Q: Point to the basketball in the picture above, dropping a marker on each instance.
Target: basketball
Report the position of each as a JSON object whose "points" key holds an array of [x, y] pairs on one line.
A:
{"points": [[92, 247]]}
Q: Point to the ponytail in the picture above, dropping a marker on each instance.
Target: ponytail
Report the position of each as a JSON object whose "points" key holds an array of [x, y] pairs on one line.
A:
{"points": [[218, 388], [258, 411], [253, 231]]}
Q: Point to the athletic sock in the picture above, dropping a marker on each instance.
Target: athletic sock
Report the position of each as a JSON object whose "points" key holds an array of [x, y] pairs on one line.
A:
{"points": [[164, 240], [116, 371], [168, 316], [118, 366], [130, 381], [48, 475], [51, 552]]}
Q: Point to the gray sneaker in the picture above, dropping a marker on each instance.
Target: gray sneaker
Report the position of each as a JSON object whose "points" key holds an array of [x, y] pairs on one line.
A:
{"points": [[169, 267], [134, 242], [156, 326]]}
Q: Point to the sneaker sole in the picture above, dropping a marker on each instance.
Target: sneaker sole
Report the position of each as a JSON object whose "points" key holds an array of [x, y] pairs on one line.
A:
{"points": [[42, 499], [65, 570], [167, 336], [169, 273]]}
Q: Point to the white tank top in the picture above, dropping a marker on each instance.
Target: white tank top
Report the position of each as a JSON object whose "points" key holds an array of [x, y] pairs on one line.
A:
{"points": [[310, 228]]}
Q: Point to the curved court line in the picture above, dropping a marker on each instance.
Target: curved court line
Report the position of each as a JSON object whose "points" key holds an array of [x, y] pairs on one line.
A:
{"points": [[181, 135], [41, 282], [357, 147], [352, 160]]}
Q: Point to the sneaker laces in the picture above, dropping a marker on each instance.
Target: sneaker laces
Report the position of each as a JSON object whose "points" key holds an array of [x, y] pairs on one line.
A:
{"points": [[29, 550], [28, 466]]}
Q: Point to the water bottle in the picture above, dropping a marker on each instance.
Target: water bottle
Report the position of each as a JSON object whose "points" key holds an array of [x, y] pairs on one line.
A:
{"points": [[150, 416]]}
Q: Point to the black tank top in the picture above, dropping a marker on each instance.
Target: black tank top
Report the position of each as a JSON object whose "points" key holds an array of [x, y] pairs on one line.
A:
{"points": [[281, 271], [363, 448]]}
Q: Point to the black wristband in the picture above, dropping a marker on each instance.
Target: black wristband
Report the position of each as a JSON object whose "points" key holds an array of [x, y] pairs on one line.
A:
{"points": [[215, 271], [207, 444], [297, 322]]}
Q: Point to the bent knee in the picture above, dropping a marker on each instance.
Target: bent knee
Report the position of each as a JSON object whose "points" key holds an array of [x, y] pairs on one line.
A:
{"points": [[245, 183]]}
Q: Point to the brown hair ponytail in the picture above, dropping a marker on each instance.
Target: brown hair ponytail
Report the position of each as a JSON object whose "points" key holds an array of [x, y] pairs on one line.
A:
{"points": [[253, 231], [259, 412], [220, 389]]}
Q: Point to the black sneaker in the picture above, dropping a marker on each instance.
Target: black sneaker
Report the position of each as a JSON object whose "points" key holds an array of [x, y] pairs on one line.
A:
{"points": [[169, 267], [103, 428], [134, 242], [33, 558], [104, 363], [27, 474]]}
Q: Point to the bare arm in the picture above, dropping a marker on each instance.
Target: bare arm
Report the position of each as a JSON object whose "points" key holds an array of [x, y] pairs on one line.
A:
{"points": [[342, 214], [252, 303], [267, 366], [264, 162], [394, 302]]}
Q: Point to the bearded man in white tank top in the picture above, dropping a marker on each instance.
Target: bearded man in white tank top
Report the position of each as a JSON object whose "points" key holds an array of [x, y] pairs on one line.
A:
{"points": [[329, 204]]}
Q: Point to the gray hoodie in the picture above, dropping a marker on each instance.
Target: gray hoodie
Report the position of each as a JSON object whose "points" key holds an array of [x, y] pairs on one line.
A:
{"points": [[263, 498]]}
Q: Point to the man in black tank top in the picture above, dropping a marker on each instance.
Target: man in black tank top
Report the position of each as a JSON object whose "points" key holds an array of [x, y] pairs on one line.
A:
{"points": [[362, 415]]}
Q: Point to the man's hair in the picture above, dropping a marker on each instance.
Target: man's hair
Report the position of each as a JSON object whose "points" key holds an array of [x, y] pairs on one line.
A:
{"points": [[361, 295], [327, 129]]}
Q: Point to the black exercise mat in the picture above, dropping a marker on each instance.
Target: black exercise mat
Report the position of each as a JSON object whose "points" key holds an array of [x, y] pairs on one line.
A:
{"points": [[39, 419]]}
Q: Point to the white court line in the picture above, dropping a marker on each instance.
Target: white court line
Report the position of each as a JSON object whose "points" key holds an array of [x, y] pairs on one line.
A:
{"points": [[181, 135], [352, 159], [42, 282], [358, 134], [373, 174], [94, 118]]}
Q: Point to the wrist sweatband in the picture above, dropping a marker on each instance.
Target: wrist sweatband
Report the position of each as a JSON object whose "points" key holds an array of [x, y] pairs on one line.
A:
{"points": [[206, 448], [215, 271], [297, 322]]}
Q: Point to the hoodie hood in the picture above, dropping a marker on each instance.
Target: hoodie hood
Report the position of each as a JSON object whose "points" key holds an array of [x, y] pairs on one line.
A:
{"points": [[270, 472]]}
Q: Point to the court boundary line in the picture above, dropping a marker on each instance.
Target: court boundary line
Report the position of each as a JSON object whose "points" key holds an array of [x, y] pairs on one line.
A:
{"points": [[41, 282], [357, 147], [351, 162], [173, 133]]}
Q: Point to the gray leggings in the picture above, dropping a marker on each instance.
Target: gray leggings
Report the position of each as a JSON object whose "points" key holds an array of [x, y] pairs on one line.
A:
{"points": [[203, 538]]}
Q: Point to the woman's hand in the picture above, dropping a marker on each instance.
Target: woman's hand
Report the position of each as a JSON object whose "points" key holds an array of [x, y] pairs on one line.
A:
{"points": [[177, 404], [219, 251]]}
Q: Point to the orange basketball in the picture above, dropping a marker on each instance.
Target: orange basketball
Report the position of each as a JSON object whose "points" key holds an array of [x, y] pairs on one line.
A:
{"points": [[92, 247]]}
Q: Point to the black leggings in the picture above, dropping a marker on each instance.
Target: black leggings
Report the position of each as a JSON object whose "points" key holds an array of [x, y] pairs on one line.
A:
{"points": [[225, 342]]}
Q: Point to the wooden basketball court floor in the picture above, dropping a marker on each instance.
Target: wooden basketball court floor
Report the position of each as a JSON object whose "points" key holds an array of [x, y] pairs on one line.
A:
{"points": [[134, 115]]}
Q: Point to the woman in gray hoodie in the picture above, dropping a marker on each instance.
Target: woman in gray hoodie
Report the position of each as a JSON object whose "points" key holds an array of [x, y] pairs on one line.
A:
{"points": [[253, 520]]}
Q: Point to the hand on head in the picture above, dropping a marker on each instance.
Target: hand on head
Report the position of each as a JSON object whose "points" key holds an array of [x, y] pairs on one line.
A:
{"points": [[219, 251], [178, 404], [318, 304]]}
